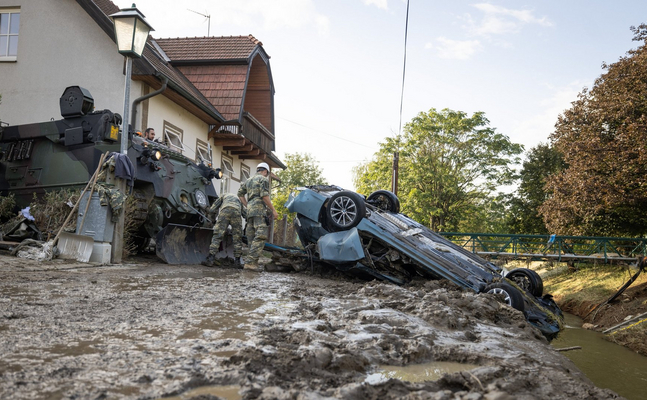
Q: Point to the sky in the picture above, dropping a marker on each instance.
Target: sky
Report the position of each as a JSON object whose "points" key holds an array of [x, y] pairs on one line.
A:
{"points": [[337, 65]]}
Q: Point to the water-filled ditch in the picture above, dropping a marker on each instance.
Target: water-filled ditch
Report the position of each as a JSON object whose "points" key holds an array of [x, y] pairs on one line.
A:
{"points": [[605, 363]]}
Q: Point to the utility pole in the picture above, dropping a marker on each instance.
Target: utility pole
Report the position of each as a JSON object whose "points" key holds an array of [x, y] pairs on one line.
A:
{"points": [[394, 176]]}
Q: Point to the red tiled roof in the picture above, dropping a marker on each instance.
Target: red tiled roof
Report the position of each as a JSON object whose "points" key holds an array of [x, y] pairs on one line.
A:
{"points": [[222, 85], [176, 80], [209, 48], [107, 6]]}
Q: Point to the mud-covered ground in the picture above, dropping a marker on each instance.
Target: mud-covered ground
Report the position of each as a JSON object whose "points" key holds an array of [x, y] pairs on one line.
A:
{"points": [[146, 330]]}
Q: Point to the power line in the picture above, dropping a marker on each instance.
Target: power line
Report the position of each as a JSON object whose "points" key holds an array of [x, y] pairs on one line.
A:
{"points": [[328, 134], [404, 66]]}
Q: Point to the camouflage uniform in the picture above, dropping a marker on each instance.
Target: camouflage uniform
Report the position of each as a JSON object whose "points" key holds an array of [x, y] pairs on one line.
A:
{"points": [[255, 188], [230, 213]]}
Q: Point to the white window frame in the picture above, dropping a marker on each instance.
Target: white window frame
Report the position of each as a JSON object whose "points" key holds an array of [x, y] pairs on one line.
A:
{"points": [[227, 168], [4, 53], [173, 137], [244, 169], [203, 152]]}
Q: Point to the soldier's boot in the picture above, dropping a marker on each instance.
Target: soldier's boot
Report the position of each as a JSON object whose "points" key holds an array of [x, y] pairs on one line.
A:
{"points": [[239, 262], [252, 266], [211, 261]]}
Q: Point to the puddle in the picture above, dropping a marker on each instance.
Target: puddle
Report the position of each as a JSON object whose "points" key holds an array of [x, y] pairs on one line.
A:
{"points": [[7, 368], [122, 287], [229, 392], [128, 390], [418, 372], [75, 348], [156, 333]]}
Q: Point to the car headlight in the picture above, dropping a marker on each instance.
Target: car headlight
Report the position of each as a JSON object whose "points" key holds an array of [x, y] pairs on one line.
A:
{"points": [[201, 198]]}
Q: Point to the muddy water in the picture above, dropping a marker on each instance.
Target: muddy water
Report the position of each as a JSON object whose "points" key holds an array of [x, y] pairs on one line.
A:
{"points": [[606, 364], [418, 372]]}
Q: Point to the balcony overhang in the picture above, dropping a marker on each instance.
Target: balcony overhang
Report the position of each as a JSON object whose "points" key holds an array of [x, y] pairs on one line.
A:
{"points": [[240, 146]]}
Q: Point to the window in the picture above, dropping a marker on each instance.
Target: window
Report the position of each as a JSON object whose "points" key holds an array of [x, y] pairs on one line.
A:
{"points": [[203, 152], [9, 24], [244, 172], [173, 137], [227, 164], [227, 167]]}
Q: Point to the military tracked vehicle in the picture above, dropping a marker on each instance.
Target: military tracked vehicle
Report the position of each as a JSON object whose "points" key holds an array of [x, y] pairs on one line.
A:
{"points": [[172, 192]]}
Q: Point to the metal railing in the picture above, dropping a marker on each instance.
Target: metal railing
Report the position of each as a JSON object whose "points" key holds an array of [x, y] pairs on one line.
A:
{"points": [[551, 247]]}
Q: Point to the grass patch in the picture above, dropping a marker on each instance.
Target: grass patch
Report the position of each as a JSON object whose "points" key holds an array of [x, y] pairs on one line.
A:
{"points": [[593, 283]]}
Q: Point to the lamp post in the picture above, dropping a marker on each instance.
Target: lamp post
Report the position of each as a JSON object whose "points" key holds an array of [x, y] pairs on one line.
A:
{"points": [[131, 33]]}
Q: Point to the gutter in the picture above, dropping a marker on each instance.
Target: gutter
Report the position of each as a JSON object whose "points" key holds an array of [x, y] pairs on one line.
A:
{"points": [[145, 97]]}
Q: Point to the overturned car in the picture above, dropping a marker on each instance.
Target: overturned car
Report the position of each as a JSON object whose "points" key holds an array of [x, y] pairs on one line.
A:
{"points": [[368, 237]]}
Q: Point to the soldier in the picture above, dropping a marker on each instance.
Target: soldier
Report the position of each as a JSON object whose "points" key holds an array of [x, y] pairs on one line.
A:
{"points": [[257, 189], [230, 211], [149, 134]]}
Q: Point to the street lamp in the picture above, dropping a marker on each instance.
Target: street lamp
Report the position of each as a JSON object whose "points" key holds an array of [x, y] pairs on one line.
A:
{"points": [[131, 32]]}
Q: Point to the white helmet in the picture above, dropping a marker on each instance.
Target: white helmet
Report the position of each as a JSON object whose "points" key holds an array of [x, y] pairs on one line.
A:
{"points": [[263, 165]]}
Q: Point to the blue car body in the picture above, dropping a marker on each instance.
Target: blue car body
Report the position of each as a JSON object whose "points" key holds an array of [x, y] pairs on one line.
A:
{"points": [[387, 245]]}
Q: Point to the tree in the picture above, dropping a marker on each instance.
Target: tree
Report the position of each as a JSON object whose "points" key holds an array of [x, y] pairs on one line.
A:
{"points": [[450, 164], [542, 162], [603, 136], [301, 170]]}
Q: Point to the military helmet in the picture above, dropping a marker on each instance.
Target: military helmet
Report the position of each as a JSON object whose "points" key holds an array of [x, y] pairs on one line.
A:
{"points": [[263, 165]]}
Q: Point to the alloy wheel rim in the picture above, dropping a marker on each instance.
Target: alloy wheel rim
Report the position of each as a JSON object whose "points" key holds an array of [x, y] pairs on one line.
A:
{"points": [[343, 211], [504, 293]]}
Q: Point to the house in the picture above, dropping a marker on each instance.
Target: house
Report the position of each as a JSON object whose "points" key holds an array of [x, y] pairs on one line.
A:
{"points": [[209, 98]]}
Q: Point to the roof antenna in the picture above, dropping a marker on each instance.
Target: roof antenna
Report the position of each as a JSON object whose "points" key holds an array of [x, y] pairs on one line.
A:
{"points": [[208, 17]]}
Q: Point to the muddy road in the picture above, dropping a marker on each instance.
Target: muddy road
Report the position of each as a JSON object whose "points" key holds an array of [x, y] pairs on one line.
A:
{"points": [[145, 330]]}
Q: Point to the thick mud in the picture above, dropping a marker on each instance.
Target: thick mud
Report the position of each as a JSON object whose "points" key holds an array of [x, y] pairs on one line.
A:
{"points": [[147, 330]]}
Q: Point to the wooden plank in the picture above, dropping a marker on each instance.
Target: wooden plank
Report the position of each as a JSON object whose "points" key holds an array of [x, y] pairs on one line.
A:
{"points": [[247, 153], [258, 157], [229, 142], [247, 147]]}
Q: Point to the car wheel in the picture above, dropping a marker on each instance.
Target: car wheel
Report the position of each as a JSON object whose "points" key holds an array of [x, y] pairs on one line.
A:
{"points": [[511, 296], [528, 280], [385, 200], [344, 210]]}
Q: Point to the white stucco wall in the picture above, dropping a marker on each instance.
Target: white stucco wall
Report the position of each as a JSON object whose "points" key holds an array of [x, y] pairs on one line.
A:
{"points": [[59, 45], [161, 110]]}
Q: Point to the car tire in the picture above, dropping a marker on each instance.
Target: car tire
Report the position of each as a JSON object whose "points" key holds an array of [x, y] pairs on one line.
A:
{"points": [[511, 295], [528, 280], [385, 200], [345, 210]]}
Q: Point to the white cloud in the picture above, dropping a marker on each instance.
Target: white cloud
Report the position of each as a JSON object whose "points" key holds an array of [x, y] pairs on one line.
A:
{"points": [[454, 49], [538, 127], [383, 4], [499, 20]]}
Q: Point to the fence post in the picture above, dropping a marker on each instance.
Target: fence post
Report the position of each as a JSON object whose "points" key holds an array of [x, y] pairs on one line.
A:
{"points": [[285, 230]]}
